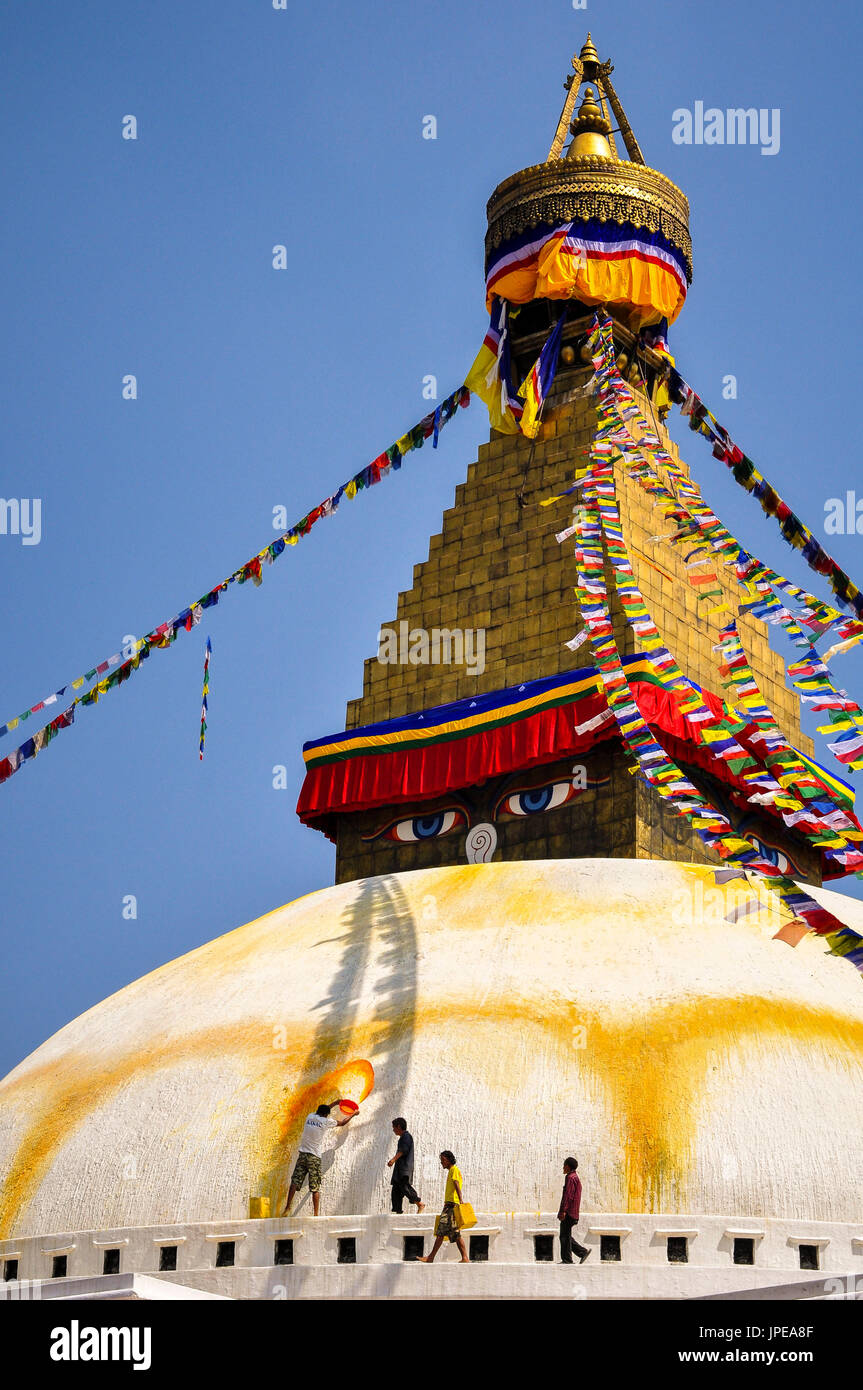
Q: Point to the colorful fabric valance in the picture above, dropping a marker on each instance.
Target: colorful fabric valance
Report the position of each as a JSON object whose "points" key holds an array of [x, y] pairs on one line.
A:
{"points": [[424, 755], [595, 263]]}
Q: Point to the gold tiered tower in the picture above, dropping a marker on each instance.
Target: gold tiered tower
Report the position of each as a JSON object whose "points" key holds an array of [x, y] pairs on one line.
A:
{"points": [[496, 565]]}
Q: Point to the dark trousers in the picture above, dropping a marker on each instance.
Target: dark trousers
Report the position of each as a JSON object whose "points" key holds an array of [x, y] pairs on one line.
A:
{"points": [[567, 1244], [402, 1188]]}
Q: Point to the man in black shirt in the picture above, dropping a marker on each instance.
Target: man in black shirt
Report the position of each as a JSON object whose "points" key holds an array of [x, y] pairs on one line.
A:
{"points": [[402, 1164]]}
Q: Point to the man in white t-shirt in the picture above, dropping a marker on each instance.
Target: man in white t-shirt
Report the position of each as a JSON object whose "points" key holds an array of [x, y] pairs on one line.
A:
{"points": [[315, 1131]]}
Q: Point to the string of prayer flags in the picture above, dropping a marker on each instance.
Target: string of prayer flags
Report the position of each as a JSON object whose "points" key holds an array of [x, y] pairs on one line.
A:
{"points": [[704, 422], [599, 519], [166, 633], [205, 699], [644, 460], [34, 745], [821, 817], [76, 684]]}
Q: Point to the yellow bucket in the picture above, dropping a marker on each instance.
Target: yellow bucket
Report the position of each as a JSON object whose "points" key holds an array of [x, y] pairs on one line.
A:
{"points": [[259, 1208]]}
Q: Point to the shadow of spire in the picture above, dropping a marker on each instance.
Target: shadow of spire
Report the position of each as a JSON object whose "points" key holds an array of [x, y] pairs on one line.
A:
{"points": [[368, 1013]]}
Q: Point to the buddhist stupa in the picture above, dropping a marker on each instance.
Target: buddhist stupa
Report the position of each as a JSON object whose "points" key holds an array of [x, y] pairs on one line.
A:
{"points": [[526, 952]]}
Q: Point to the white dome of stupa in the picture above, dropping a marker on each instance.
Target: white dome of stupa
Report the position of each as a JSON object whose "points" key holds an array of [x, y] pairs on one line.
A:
{"points": [[632, 1012]]}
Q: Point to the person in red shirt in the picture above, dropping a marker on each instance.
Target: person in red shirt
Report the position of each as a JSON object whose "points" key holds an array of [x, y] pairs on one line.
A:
{"points": [[570, 1205]]}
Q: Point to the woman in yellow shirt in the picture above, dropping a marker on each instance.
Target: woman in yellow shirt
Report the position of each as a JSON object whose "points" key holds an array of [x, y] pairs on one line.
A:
{"points": [[446, 1222]]}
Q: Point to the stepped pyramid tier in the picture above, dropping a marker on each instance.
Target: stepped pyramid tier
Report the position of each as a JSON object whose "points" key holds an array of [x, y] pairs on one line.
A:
{"points": [[452, 734], [497, 569]]}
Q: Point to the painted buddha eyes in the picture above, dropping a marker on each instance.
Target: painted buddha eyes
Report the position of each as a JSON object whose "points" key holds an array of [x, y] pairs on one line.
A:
{"points": [[430, 827], [537, 799], [527, 801]]}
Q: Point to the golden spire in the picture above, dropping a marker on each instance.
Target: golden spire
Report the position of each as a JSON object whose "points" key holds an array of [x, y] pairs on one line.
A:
{"points": [[590, 129], [589, 58], [593, 177], [597, 141]]}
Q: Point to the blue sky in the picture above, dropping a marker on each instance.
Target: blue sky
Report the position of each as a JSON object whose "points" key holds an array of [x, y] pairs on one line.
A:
{"points": [[259, 388]]}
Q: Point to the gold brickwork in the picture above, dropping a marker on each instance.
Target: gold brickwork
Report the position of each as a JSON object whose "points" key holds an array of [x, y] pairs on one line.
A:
{"points": [[496, 565]]}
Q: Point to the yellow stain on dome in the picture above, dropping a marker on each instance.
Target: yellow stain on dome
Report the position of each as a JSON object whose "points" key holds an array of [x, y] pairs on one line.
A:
{"points": [[654, 1070], [647, 1067], [649, 1071]]}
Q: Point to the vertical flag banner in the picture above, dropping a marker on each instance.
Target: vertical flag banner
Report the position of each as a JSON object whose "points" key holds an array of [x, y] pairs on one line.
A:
{"points": [[537, 383], [204, 704], [490, 377]]}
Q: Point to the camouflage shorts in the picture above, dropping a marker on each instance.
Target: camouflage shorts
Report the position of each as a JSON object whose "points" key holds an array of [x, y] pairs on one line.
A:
{"points": [[307, 1164], [445, 1226]]}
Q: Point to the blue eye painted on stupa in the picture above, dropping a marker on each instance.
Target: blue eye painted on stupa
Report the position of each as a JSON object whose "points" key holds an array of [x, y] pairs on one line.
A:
{"points": [[429, 827], [536, 800], [533, 800]]}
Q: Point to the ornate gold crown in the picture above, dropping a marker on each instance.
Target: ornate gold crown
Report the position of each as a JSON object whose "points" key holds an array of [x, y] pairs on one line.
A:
{"points": [[589, 179]]}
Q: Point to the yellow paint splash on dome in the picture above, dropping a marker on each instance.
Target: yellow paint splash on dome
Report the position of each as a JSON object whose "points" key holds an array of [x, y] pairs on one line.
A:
{"points": [[649, 1073], [355, 1081]]}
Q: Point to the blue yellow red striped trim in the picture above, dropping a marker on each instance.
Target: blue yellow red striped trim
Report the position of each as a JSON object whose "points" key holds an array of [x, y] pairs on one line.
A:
{"points": [[463, 717], [492, 710]]}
